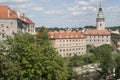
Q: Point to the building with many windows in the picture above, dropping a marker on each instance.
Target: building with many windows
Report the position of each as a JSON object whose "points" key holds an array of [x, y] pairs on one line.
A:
{"points": [[68, 43], [100, 35], [97, 37], [12, 21]]}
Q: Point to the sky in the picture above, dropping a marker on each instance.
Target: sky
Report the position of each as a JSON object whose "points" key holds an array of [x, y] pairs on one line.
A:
{"points": [[66, 13]]}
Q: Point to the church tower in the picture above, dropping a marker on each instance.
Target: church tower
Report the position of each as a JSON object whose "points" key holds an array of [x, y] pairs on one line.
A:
{"points": [[100, 21]]}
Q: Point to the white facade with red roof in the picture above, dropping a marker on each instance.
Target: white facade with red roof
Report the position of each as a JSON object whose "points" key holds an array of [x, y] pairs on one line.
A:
{"points": [[97, 37], [100, 35], [11, 21], [68, 43]]}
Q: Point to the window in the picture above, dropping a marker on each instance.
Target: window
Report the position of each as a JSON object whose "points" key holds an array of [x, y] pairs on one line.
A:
{"points": [[3, 35], [60, 40], [2, 25], [28, 30], [60, 50], [11, 23], [66, 49]]}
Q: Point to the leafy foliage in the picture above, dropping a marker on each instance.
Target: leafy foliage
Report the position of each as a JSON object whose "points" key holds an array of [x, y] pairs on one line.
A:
{"points": [[25, 59], [103, 54]]}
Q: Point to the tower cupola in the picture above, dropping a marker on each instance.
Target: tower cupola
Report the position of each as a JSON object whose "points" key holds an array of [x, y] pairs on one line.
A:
{"points": [[100, 21]]}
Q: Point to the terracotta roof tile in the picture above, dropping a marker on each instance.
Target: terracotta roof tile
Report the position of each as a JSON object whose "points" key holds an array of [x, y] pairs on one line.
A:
{"points": [[54, 35], [6, 12], [96, 32]]}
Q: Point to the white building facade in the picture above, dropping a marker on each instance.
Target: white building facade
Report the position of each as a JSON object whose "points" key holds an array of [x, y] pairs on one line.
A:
{"points": [[68, 43], [11, 21]]}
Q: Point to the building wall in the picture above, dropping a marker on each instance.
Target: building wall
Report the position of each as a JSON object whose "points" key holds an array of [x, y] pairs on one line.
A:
{"points": [[7, 27], [30, 28], [98, 40], [70, 47], [25, 27]]}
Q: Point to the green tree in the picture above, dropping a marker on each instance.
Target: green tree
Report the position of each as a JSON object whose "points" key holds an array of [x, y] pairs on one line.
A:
{"points": [[35, 61], [103, 54], [117, 70], [8, 70]]}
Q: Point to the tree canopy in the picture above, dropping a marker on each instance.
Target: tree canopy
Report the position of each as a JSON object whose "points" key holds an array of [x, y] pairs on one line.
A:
{"points": [[25, 59]]}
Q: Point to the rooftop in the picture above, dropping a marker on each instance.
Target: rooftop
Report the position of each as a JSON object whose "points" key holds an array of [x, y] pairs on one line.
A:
{"points": [[96, 32], [7, 13], [66, 35]]}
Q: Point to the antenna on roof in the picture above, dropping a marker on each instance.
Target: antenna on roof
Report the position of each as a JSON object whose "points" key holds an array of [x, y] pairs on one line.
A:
{"points": [[100, 2]]}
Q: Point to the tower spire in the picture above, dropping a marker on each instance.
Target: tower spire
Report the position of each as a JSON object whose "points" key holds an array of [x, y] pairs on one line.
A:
{"points": [[100, 21]]}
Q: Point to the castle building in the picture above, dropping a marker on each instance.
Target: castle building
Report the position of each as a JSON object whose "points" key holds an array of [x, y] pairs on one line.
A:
{"points": [[100, 35], [68, 43], [11, 21]]}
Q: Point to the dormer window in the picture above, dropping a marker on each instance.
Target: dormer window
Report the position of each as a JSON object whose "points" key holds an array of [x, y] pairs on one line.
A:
{"points": [[60, 36]]}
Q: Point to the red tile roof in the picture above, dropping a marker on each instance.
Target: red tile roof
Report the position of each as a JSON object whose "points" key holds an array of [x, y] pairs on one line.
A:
{"points": [[96, 32], [6, 12], [65, 35]]}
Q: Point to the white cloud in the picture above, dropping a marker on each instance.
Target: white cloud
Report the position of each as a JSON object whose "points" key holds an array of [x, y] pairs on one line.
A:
{"points": [[76, 13], [13, 1], [52, 12], [82, 3], [114, 9], [94, 1], [38, 8]]}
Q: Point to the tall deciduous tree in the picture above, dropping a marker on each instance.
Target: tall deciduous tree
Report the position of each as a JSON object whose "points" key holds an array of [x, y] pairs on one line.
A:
{"points": [[103, 54], [34, 61]]}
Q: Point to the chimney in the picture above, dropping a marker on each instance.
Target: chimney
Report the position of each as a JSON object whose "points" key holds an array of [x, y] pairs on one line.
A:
{"points": [[18, 13], [24, 17]]}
